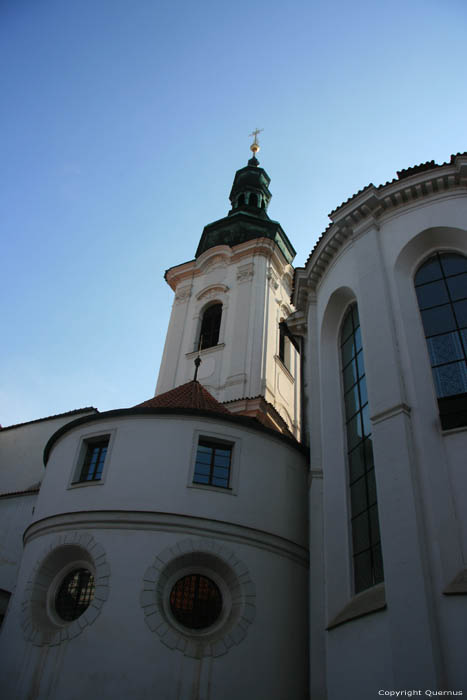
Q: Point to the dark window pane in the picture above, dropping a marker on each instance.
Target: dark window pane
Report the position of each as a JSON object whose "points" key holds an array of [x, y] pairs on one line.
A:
{"points": [[354, 431], [210, 326], [368, 448], [451, 379], [200, 479], [438, 320], [429, 271], [460, 309], [374, 525], [217, 481], [445, 348], [348, 351], [453, 264], [350, 375], [366, 421], [371, 485], [432, 294], [212, 464], [363, 571], [358, 497], [357, 463], [203, 468], [378, 564], [457, 287], [360, 533], [352, 402], [356, 319], [347, 328]]}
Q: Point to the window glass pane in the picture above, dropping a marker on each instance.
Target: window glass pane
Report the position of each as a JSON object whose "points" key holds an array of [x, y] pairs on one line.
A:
{"points": [[371, 485], [350, 375], [217, 481], [202, 468], [368, 448], [352, 402], [360, 533], [460, 309], [457, 287], [438, 320], [356, 320], [453, 263], [357, 463], [378, 564], [221, 472], [200, 479], [366, 421], [429, 271], [451, 379], [445, 348], [358, 339], [361, 366], [363, 571], [348, 351], [358, 497], [354, 431], [432, 294], [374, 525], [363, 392], [347, 328]]}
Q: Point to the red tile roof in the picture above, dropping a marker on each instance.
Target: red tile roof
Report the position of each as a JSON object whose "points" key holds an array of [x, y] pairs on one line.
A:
{"points": [[189, 395]]}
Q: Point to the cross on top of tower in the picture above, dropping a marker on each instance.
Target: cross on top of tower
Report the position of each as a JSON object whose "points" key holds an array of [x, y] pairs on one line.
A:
{"points": [[255, 145]]}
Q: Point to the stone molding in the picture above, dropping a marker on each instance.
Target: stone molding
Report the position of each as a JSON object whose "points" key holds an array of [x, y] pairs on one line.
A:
{"points": [[182, 295], [169, 522], [216, 640], [391, 412], [364, 603], [245, 272], [458, 585], [368, 207], [38, 627], [212, 291]]}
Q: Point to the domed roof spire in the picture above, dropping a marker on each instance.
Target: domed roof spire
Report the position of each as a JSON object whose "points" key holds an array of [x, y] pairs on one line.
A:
{"points": [[255, 147]]}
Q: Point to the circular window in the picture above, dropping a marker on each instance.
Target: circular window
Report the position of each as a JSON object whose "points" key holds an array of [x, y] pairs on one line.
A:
{"points": [[74, 594], [196, 601]]}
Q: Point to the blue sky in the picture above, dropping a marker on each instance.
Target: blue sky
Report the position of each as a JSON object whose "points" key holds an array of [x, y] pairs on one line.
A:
{"points": [[121, 127]]}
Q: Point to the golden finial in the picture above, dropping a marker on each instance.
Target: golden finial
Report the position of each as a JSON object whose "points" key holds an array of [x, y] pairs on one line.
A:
{"points": [[255, 145]]}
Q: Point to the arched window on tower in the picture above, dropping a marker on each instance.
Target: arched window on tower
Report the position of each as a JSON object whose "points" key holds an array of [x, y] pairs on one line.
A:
{"points": [[441, 287], [253, 200], [241, 200], [210, 327], [366, 542]]}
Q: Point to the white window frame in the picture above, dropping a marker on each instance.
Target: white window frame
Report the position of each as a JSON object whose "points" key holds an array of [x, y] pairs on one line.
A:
{"points": [[220, 437], [80, 456]]}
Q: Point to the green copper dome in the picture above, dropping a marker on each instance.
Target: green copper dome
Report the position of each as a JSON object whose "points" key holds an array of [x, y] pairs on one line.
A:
{"points": [[248, 218]]}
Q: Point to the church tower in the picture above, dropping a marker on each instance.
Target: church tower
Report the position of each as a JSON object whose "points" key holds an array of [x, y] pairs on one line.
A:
{"points": [[230, 308]]}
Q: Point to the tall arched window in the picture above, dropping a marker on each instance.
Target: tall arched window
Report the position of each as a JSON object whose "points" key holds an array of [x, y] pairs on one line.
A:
{"points": [[210, 327], [441, 286], [253, 200], [366, 542]]}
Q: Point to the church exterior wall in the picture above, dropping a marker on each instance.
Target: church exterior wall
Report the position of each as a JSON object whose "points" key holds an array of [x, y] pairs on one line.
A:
{"points": [[139, 529], [421, 481]]}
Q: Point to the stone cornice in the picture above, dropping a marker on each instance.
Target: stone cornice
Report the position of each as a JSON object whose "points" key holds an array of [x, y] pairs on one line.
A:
{"points": [[224, 255], [368, 207]]}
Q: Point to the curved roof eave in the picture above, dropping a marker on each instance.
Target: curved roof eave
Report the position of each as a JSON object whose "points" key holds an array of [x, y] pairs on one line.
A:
{"points": [[369, 204], [244, 421]]}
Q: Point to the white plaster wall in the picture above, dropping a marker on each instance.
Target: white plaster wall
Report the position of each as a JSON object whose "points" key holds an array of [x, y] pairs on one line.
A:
{"points": [[144, 504], [21, 449], [16, 513], [149, 468], [117, 656]]}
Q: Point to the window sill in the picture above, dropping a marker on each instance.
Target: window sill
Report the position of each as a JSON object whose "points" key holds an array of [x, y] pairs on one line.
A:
{"points": [[205, 351], [79, 484], [364, 603], [284, 368], [207, 487]]}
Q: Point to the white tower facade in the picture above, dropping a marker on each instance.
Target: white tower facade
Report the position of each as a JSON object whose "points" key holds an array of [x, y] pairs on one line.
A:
{"points": [[230, 306]]}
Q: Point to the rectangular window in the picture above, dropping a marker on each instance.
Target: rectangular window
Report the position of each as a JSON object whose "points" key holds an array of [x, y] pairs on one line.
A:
{"points": [[213, 462], [94, 458]]}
